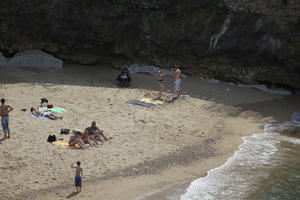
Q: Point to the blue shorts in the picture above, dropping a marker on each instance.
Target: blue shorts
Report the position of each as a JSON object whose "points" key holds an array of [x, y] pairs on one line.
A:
{"points": [[4, 122]]}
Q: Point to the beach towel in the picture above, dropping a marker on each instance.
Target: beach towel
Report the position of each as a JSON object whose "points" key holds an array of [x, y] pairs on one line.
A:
{"points": [[55, 109], [147, 102], [140, 103], [156, 102], [65, 144], [40, 117]]}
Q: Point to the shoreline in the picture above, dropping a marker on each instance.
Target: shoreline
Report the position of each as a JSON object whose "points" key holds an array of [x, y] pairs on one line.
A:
{"points": [[151, 147]]}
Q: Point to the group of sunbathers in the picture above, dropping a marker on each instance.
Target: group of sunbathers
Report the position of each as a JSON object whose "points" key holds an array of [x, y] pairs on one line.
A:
{"points": [[91, 136]]}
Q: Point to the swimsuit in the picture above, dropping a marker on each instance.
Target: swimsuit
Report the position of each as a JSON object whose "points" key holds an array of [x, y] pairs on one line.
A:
{"points": [[77, 181], [177, 84], [4, 122]]}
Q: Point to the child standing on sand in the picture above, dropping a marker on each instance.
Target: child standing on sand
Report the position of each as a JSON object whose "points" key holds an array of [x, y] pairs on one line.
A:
{"points": [[78, 176]]}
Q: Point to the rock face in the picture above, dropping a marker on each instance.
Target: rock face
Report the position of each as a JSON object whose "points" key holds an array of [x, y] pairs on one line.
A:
{"points": [[247, 41], [30, 59]]}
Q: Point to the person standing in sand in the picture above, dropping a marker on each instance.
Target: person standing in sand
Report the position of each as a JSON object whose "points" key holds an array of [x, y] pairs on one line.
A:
{"points": [[4, 110], [176, 72], [160, 78], [78, 176]]}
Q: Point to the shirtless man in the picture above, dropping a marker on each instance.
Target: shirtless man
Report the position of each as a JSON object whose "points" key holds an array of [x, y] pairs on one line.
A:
{"points": [[4, 110], [160, 78], [94, 130], [44, 114], [176, 72], [78, 176], [76, 139]]}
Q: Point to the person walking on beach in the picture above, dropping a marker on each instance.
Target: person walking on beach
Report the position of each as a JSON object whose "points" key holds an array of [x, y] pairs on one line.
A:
{"points": [[78, 176], [160, 78], [176, 72], [4, 110]]}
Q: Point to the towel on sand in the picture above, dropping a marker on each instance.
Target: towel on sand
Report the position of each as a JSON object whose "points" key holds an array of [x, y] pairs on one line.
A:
{"points": [[39, 116], [65, 144], [140, 103], [55, 109], [156, 102], [147, 102]]}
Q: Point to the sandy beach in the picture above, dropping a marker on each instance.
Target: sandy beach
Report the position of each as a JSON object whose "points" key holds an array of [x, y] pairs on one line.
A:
{"points": [[150, 148]]}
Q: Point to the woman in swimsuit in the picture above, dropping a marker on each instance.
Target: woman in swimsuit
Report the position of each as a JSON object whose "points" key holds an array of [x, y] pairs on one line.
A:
{"points": [[160, 78]]}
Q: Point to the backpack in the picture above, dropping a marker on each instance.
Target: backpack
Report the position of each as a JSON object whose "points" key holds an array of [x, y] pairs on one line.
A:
{"points": [[51, 138], [65, 131]]}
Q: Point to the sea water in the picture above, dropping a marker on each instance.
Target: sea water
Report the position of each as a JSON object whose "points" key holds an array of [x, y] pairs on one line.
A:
{"points": [[266, 167]]}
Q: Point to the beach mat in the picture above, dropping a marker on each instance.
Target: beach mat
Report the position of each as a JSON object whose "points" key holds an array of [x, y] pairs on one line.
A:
{"points": [[140, 103], [153, 101], [55, 109], [65, 144], [39, 117], [148, 102]]}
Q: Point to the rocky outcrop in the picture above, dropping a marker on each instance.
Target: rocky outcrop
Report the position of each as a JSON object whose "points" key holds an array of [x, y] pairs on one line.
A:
{"points": [[30, 59], [247, 41]]}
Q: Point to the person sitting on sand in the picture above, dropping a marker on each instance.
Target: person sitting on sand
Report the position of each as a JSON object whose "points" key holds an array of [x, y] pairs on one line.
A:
{"points": [[95, 131], [87, 138], [46, 114], [76, 139], [124, 78]]}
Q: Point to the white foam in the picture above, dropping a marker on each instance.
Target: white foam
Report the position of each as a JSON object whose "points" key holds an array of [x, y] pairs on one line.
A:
{"points": [[238, 175]]}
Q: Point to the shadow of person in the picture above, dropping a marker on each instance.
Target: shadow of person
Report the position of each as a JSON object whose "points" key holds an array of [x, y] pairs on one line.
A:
{"points": [[2, 139], [72, 195]]}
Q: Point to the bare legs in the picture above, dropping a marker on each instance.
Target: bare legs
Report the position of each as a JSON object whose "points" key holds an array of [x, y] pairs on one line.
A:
{"points": [[161, 89]]}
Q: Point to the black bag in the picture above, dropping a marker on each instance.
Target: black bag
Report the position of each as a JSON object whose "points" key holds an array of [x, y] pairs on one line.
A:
{"points": [[44, 100], [65, 131], [51, 138]]}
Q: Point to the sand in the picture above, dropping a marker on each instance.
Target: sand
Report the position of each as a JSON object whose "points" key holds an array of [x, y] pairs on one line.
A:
{"points": [[150, 149]]}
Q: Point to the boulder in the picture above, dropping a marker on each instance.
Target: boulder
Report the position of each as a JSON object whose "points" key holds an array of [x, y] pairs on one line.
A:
{"points": [[35, 58]]}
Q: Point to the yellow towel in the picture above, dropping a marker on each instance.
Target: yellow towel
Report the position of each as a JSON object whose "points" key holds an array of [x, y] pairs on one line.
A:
{"points": [[65, 144], [148, 100]]}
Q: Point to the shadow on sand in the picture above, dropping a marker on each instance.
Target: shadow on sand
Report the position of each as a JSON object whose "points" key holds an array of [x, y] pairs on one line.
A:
{"points": [[72, 194], [269, 105]]}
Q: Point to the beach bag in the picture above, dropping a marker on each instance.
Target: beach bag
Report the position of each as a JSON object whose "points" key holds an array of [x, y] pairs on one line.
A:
{"points": [[44, 100], [51, 138], [65, 131]]}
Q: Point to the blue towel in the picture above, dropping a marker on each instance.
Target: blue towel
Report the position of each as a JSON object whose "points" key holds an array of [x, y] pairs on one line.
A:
{"points": [[40, 117], [140, 103]]}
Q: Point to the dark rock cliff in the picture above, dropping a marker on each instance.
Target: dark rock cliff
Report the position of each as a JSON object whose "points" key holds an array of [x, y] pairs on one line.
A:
{"points": [[246, 41]]}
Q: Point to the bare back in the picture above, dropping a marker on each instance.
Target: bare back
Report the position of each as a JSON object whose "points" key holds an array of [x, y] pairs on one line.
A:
{"points": [[4, 109], [78, 171]]}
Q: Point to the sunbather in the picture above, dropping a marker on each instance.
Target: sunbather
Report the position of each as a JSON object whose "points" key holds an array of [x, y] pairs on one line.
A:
{"points": [[44, 114], [95, 131], [76, 139], [86, 138]]}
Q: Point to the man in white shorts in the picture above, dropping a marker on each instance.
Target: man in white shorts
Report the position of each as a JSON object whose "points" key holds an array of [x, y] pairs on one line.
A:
{"points": [[176, 72]]}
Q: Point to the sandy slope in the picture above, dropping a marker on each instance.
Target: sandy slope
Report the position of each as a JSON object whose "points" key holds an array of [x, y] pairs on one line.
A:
{"points": [[150, 147]]}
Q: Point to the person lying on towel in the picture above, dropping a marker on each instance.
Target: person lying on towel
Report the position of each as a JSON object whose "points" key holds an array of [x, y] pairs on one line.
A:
{"points": [[76, 139], [46, 114]]}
